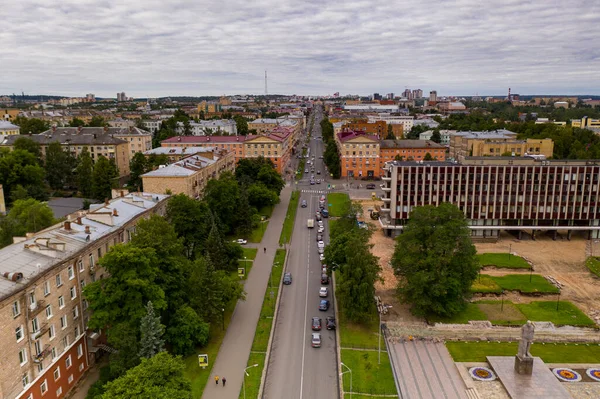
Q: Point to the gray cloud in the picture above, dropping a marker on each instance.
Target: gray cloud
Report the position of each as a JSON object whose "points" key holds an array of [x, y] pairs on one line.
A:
{"points": [[156, 47]]}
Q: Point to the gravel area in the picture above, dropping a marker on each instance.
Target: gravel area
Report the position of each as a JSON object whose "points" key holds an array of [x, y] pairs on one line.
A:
{"points": [[491, 390], [583, 390]]}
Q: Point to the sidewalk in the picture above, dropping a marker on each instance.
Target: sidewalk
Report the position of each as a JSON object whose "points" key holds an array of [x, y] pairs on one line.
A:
{"points": [[235, 349]]}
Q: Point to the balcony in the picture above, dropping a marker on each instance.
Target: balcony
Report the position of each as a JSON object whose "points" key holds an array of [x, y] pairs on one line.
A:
{"points": [[36, 307], [385, 178], [42, 330], [385, 209], [40, 356], [386, 199], [386, 189]]}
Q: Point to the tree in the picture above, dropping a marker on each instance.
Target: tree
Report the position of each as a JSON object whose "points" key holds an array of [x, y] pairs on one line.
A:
{"points": [[59, 165], [246, 213], [76, 122], [97, 121], [241, 125], [398, 157], [428, 157], [20, 167], [436, 137], [222, 197], [259, 170], [151, 332], [27, 144], [137, 166], [31, 125], [102, 177], [25, 216], [192, 222], [390, 133], [187, 331], [436, 260], [84, 172], [160, 377], [215, 249], [258, 195]]}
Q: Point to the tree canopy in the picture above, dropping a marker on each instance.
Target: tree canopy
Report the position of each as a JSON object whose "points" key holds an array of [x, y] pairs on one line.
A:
{"points": [[435, 258], [25, 216], [102, 178], [31, 125]]}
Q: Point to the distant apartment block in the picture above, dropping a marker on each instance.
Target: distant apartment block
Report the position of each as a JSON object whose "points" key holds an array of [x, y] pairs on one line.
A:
{"points": [[175, 154], [444, 135], [378, 128], [498, 193], [372, 108], [210, 127], [405, 121], [586, 123], [451, 107], [359, 154], [410, 150], [189, 175], [465, 144], [541, 121], [45, 342]]}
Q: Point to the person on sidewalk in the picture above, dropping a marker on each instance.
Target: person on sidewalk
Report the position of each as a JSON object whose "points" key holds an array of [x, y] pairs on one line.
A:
{"points": [[217, 379], [265, 249], [224, 380]]}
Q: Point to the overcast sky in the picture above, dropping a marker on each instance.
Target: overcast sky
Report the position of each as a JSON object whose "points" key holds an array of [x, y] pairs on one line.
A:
{"points": [[164, 47]]}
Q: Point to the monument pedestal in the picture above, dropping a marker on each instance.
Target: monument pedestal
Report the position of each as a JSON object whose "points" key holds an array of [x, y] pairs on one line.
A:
{"points": [[524, 365]]}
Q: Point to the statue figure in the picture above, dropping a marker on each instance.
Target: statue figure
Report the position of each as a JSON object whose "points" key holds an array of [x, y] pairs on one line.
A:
{"points": [[524, 360]]}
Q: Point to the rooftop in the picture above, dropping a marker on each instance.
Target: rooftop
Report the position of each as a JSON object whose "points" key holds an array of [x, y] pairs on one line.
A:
{"points": [[5, 125], [352, 134], [186, 167], [38, 254], [491, 134], [205, 139], [410, 144], [92, 136], [178, 150]]}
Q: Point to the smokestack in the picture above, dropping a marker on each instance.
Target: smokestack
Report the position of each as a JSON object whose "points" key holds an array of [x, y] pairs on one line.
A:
{"points": [[78, 220], [87, 230], [67, 225], [115, 213]]}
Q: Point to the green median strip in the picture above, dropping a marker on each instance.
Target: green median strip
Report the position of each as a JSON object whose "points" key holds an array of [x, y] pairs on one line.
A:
{"points": [[290, 217], [258, 352]]}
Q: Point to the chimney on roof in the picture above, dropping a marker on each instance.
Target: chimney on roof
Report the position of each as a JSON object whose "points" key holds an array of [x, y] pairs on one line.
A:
{"points": [[79, 129], [105, 128], [178, 138], [53, 129], [122, 193], [115, 212], [78, 220], [87, 230], [105, 201], [94, 135], [14, 277], [67, 225]]}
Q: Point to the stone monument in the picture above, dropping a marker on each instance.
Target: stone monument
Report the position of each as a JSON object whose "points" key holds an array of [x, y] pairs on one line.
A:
{"points": [[524, 360]]}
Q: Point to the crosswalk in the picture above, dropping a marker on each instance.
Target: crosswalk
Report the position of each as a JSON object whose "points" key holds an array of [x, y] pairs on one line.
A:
{"points": [[314, 191]]}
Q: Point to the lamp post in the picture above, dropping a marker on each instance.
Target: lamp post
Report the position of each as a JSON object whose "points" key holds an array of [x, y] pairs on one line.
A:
{"points": [[246, 374], [223, 318], [557, 299], [344, 372], [509, 250]]}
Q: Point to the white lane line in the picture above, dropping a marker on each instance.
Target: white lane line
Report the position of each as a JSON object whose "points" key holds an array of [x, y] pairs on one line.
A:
{"points": [[305, 304]]}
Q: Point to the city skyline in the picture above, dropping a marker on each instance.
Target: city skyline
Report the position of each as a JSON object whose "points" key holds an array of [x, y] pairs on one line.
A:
{"points": [[152, 49]]}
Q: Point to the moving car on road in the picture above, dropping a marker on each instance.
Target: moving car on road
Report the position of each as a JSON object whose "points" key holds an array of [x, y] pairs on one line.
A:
{"points": [[330, 323], [287, 278], [370, 186], [323, 292], [304, 204], [316, 340], [321, 257], [324, 305], [316, 323]]}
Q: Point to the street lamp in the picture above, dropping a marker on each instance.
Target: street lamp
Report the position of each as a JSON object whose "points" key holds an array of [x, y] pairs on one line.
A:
{"points": [[344, 372], [246, 374], [223, 318]]}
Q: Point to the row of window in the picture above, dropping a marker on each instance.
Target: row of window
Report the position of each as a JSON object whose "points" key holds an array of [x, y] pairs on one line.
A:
{"points": [[56, 374]]}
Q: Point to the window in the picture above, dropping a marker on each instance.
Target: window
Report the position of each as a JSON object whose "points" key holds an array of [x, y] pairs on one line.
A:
{"points": [[81, 366], [99, 253], [65, 341], [16, 308], [23, 356], [59, 392], [32, 298], [56, 373], [70, 272], [73, 292], [70, 379], [82, 283], [40, 367], [53, 353], [44, 387], [38, 347], [51, 331], [47, 288], [34, 325], [63, 322], [85, 304], [25, 380], [75, 312], [58, 280], [79, 351], [91, 260], [80, 265], [61, 302], [48, 311], [19, 333], [68, 362]]}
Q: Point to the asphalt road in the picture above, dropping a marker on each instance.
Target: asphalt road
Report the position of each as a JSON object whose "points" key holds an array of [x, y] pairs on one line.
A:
{"points": [[296, 370]]}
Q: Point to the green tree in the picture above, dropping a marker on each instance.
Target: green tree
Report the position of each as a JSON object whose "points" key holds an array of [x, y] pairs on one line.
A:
{"points": [[192, 222], [31, 125], [151, 332], [102, 178], [436, 260], [187, 331], [428, 157], [160, 377], [215, 249], [76, 122], [436, 137], [27, 144], [20, 167], [398, 158], [97, 121], [222, 196], [59, 165], [258, 195], [259, 170], [390, 133], [137, 166], [84, 172], [241, 125], [25, 216], [246, 213]]}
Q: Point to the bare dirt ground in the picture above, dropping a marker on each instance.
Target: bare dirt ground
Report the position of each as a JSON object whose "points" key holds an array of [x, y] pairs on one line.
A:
{"points": [[562, 259]]}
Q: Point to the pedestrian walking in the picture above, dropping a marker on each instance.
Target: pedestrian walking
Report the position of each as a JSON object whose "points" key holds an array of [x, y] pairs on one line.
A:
{"points": [[265, 249], [217, 379], [224, 381]]}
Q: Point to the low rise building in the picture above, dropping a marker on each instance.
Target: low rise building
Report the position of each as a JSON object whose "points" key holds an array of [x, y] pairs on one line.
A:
{"points": [[461, 143], [524, 194], [541, 121], [451, 107], [45, 343], [406, 121], [189, 175], [8, 129], [210, 127], [359, 154], [410, 150], [444, 135], [372, 108], [175, 154], [377, 128], [586, 123], [152, 125], [121, 123]]}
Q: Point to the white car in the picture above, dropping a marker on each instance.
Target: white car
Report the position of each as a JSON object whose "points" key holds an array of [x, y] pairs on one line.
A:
{"points": [[323, 292], [321, 244], [321, 250], [320, 230], [240, 241], [321, 257], [320, 223]]}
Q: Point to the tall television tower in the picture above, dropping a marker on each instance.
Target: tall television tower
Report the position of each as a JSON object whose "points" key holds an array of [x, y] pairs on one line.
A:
{"points": [[266, 92]]}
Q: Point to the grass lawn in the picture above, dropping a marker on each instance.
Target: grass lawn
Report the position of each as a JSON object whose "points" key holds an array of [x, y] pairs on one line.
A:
{"points": [[567, 314], [503, 260], [198, 376], [257, 233], [263, 328], [290, 217], [339, 203], [472, 312], [550, 353], [250, 253], [520, 282], [593, 263], [368, 376], [484, 284], [353, 335], [501, 314]]}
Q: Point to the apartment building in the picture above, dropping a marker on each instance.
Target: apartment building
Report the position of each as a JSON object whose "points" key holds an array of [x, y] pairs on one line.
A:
{"points": [[461, 142], [175, 154], [210, 127], [189, 175], [586, 123], [139, 140], [463, 145], [359, 154], [498, 193], [152, 125], [410, 150], [8, 129], [377, 128], [405, 121], [45, 344], [444, 135], [233, 144]]}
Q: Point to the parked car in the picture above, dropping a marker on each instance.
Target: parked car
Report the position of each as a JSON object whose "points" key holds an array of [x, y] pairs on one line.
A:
{"points": [[330, 323], [322, 198], [323, 269], [323, 292], [324, 279], [321, 257], [325, 213], [316, 340], [321, 250], [318, 217], [305, 170], [319, 237], [324, 305], [316, 323], [370, 186], [320, 230], [287, 278], [321, 244], [318, 172], [320, 223], [304, 204], [240, 241]]}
